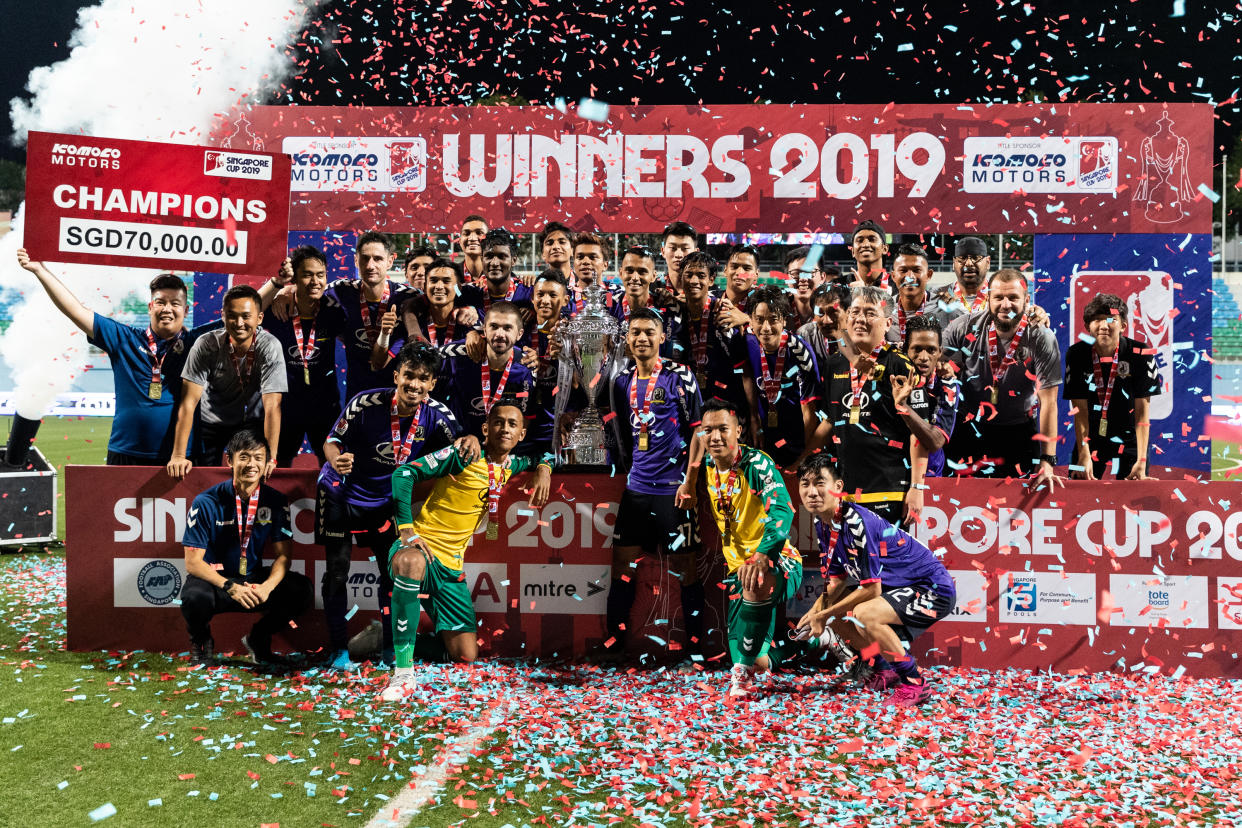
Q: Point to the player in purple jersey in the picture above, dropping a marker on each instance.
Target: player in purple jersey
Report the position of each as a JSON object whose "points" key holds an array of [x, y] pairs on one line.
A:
{"points": [[656, 408], [378, 431], [308, 340], [499, 284], [884, 588], [475, 386], [928, 402], [638, 274]]}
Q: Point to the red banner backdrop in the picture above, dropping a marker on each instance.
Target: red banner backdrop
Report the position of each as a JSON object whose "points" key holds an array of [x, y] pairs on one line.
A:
{"points": [[144, 204], [1145, 574], [1022, 168]]}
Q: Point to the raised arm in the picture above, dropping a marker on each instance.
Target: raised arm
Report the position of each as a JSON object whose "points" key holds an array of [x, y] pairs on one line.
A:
{"points": [[61, 296]]}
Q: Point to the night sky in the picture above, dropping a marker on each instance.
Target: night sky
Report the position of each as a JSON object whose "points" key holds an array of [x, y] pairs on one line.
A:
{"points": [[398, 52]]}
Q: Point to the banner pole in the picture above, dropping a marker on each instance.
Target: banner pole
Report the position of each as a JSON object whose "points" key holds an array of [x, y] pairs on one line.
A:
{"points": [[1224, 213]]}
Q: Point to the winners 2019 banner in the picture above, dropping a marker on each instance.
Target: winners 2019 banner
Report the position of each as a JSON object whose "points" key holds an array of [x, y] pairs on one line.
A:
{"points": [[1022, 168], [110, 201]]}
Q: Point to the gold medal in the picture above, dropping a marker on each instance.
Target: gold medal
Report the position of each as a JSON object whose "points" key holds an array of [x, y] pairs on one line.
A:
{"points": [[1103, 426], [241, 564], [772, 421], [306, 374], [995, 394], [493, 530], [644, 442], [155, 390], [702, 380], [855, 411]]}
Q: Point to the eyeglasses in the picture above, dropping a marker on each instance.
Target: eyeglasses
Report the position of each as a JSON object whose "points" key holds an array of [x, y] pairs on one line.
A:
{"points": [[969, 259], [870, 314]]}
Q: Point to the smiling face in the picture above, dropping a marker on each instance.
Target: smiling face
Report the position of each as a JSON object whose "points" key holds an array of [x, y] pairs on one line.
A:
{"points": [[723, 432], [441, 286], [241, 319], [311, 279], [504, 428], [767, 325], [912, 275], [374, 261], [971, 271], [741, 272], [556, 249], [1007, 302], [820, 492], [589, 264], [696, 281], [501, 330], [924, 351], [416, 272], [472, 233], [414, 384], [167, 312], [644, 337], [497, 264], [637, 274], [549, 299], [828, 315], [868, 249], [247, 466], [865, 324]]}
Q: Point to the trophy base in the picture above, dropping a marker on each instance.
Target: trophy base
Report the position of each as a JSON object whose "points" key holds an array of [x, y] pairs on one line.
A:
{"points": [[586, 456]]}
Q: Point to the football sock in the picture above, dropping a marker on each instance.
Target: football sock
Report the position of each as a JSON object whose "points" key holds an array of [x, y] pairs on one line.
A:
{"points": [[693, 607], [755, 621], [405, 608], [621, 594], [880, 664], [908, 670]]}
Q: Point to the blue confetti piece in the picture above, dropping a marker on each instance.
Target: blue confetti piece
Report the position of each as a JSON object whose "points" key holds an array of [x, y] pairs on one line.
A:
{"points": [[103, 812], [1209, 192], [593, 110], [906, 47], [351, 612], [1179, 8]]}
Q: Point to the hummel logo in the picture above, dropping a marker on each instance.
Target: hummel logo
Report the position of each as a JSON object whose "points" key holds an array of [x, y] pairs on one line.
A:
{"points": [[193, 512], [190, 523], [747, 643], [403, 625]]}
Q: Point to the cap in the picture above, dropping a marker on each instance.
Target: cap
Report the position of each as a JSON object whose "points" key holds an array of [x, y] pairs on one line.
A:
{"points": [[970, 246]]}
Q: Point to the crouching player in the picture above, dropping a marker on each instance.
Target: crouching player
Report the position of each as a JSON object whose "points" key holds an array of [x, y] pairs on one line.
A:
{"points": [[427, 560], [902, 589], [753, 513]]}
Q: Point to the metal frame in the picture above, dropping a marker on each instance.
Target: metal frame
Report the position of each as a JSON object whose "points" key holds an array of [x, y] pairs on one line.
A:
{"points": [[52, 473]]}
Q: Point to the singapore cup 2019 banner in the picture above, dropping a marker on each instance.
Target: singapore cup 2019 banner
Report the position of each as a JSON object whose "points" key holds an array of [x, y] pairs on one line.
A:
{"points": [[1147, 575], [1020, 168], [145, 204]]}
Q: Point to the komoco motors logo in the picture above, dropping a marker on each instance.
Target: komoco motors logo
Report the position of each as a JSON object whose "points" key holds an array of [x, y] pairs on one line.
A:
{"points": [[237, 165], [95, 158], [159, 582], [1070, 164]]}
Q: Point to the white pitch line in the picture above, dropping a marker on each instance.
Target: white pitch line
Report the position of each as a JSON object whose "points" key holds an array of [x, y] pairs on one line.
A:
{"points": [[398, 812]]}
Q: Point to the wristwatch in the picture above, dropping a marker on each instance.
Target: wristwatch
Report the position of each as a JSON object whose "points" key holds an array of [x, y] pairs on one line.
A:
{"points": [[1050, 459], [229, 583]]}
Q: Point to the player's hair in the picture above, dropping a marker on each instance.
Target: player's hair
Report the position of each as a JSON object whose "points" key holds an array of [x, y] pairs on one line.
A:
{"points": [[678, 228], [1105, 304], [167, 281], [504, 306], [775, 297], [738, 249], [720, 404], [911, 249], [830, 292], [649, 314], [241, 292], [640, 250], [816, 463], [499, 237], [551, 275], [872, 295], [701, 257], [374, 237], [420, 354], [831, 271], [420, 250], [506, 401], [584, 238], [1008, 274], [923, 322], [439, 263], [868, 224], [245, 440], [553, 227], [306, 251], [475, 217], [795, 254]]}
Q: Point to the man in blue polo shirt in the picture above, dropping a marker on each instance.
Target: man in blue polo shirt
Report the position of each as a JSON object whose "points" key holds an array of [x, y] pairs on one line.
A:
{"points": [[146, 364], [474, 386], [227, 530], [657, 406]]}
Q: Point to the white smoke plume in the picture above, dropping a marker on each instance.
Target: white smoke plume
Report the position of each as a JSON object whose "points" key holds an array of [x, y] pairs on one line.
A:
{"points": [[153, 70]]}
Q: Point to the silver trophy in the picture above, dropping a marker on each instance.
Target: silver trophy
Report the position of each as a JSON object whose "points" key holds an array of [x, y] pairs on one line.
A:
{"points": [[587, 346]]}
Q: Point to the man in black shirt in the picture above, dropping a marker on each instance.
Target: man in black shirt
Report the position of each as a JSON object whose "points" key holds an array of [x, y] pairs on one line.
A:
{"points": [[1110, 383]]}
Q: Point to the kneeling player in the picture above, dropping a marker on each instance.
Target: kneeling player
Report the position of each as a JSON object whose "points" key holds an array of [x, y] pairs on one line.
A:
{"points": [[755, 519], [427, 560], [902, 589]]}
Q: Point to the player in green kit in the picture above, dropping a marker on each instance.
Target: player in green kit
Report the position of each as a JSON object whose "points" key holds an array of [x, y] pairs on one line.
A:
{"points": [[426, 561], [755, 518]]}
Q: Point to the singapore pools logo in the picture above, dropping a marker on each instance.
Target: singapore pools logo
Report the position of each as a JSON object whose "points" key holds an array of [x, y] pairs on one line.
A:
{"points": [[159, 582], [1022, 595]]}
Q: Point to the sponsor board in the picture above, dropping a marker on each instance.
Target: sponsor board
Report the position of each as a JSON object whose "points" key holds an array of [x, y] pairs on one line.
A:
{"points": [[344, 164], [1228, 601], [1178, 601], [488, 585], [155, 582], [972, 596], [1048, 597], [564, 589], [1040, 165]]}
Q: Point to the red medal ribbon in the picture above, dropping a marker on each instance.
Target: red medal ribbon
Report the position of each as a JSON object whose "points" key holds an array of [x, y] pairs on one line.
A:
{"points": [[487, 295], [245, 523], [976, 304], [249, 360], [698, 341], [364, 307], [1097, 368], [724, 496], [402, 446], [772, 382], [647, 396], [434, 337], [495, 487], [301, 336], [157, 362], [999, 366], [834, 532], [901, 315], [485, 380]]}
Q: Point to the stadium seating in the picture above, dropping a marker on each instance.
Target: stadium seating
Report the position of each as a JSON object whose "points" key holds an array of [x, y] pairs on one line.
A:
{"points": [[1226, 321]]}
